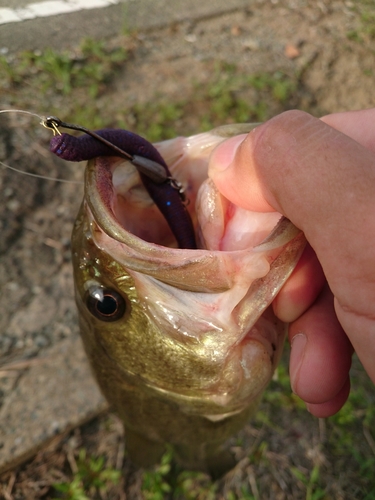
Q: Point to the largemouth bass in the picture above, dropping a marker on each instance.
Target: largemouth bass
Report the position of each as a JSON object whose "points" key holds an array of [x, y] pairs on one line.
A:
{"points": [[182, 342]]}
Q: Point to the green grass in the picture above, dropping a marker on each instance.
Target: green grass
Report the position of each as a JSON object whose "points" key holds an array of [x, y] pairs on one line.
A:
{"points": [[68, 84], [155, 483], [228, 97], [91, 67], [91, 479], [166, 480], [365, 14], [77, 87]]}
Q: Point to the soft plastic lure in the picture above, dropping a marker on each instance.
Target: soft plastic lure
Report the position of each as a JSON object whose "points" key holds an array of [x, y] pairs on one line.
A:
{"points": [[156, 177]]}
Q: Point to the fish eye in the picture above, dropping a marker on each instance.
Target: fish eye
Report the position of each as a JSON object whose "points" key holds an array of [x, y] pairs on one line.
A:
{"points": [[105, 304]]}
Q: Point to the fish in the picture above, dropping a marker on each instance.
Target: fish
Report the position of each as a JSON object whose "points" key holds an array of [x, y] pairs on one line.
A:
{"points": [[182, 341]]}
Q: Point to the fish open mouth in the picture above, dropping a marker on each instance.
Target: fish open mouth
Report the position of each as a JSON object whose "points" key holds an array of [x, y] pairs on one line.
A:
{"points": [[213, 300], [218, 224]]}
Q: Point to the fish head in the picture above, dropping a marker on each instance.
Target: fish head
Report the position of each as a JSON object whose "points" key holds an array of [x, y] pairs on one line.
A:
{"points": [[194, 327]]}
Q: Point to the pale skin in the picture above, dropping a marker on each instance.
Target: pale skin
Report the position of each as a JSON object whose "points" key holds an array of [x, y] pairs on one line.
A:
{"points": [[320, 173]]}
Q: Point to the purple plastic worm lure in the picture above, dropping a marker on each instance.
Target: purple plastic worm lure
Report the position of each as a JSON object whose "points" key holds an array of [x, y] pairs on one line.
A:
{"points": [[162, 188]]}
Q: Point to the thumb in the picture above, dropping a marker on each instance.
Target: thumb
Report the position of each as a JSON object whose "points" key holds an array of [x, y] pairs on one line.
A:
{"points": [[323, 182]]}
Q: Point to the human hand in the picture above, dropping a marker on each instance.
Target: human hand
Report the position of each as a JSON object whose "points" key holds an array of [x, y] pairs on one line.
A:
{"points": [[323, 181]]}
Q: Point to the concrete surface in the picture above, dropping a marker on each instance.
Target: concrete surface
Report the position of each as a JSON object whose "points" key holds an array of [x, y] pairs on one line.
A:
{"points": [[66, 30], [56, 394]]}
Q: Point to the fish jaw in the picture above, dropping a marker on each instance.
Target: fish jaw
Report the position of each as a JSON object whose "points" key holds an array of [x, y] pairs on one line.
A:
{"points": [[199, 331]]}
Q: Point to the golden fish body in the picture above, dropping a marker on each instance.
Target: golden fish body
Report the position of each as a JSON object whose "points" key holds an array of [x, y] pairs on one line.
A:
{"points": [[195, 342]]}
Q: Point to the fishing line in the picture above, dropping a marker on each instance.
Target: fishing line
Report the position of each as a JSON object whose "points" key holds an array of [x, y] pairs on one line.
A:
{"points": [[22, 111], [39, 176], [41, 120]]}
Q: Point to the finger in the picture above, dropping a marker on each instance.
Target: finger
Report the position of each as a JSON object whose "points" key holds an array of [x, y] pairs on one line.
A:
{"points": [[321, 353], [323, 182], [359, 125], [232, 167], [331, 407], [301, 289]]}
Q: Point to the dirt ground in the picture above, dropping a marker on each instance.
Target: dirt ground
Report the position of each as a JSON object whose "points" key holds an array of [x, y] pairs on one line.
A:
{"points": [[326, 49]]}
